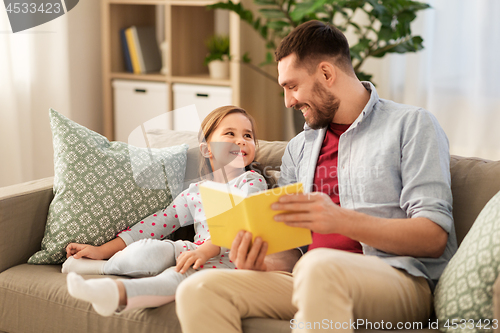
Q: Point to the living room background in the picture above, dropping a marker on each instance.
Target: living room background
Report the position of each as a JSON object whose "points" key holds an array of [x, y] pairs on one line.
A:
{"points": [[58, 65]]}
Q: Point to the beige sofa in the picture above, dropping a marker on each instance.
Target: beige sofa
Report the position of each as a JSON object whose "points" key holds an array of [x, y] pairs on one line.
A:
{"points": [[33, 298]]}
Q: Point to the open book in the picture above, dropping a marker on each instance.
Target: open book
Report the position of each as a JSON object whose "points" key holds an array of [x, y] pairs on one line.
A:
{"points": [[229, 210]]}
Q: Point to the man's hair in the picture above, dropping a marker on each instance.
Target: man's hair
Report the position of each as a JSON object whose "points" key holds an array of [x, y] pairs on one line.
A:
{"points": [[315, 41]]}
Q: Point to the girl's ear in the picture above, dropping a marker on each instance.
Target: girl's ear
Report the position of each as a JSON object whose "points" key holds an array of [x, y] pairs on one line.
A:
{"points": [[204, 150]]}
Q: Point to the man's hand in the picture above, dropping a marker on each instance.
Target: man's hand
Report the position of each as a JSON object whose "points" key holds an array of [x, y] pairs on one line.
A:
{"points": [[415, 237], [84, 251], [314, 211], [246, 255]]}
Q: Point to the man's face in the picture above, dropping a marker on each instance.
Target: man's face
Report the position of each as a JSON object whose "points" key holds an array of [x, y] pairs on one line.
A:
{"points": [[306, 92]]}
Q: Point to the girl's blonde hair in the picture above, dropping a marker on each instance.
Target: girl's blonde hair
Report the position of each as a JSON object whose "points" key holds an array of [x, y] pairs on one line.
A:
{"points": [[210, 124]]}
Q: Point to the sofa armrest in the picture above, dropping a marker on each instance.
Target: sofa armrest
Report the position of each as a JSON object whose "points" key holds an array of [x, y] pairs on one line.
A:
{"points": [[23, 214]]}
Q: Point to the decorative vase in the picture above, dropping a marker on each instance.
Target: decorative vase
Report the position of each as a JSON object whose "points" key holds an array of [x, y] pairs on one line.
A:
{"points": [[219, 69]]}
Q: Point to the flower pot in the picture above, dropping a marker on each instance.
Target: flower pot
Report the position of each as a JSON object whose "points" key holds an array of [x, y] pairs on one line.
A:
{"points": [[219, 69]]}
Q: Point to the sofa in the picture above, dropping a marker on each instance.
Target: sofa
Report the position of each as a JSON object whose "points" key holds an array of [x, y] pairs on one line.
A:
{"points": [[34, 298]]}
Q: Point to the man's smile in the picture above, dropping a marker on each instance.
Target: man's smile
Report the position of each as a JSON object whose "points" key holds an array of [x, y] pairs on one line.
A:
{"points": [[305, 110]]}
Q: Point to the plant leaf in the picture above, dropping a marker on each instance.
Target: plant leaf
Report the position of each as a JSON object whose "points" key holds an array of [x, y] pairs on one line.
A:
{"points": [[277, 25], [246, 58], [385, 33], [271, 13], [304, 9], [363, 76], [265, 2], [413, 44], [269, 60]]}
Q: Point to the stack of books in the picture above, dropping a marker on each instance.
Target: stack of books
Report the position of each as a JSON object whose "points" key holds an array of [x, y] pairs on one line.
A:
{"points": [[140, 49]]}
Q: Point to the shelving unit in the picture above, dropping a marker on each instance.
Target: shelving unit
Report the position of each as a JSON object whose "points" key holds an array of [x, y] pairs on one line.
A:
{"points": [[187, 24]]}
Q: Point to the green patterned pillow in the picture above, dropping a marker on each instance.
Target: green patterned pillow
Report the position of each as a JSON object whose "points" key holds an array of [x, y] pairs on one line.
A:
{"points": [[102, 187], [464, 294]]}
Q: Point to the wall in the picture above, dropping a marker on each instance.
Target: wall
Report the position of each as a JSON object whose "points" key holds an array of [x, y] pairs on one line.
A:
{"points": [[55, 65]]}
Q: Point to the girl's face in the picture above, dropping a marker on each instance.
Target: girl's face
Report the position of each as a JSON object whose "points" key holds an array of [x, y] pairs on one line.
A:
{"points": [[232, 142]]}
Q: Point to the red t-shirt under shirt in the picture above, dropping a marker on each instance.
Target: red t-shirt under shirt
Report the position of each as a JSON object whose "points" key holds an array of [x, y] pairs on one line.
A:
{"points": [[326, 181]]}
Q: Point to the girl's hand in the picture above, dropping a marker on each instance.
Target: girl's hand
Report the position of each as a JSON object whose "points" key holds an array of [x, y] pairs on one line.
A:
{"points": [[83, 251], [187, 259], [105, 251]]}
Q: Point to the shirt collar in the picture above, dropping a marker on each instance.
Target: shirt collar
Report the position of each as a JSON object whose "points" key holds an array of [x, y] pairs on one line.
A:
{"points": [[370, 105]]}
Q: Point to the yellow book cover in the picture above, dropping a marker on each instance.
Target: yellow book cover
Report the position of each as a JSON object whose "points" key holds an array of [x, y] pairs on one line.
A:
{"points": [[134, 57], [229, 210]]}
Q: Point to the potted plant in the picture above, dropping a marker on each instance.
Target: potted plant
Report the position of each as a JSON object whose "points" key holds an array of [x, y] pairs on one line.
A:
{"points": [[218, 57], [381, 26]]}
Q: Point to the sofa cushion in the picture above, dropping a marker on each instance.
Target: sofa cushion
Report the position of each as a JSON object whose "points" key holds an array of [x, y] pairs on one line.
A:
{"points": [[35, 299], [162, 138], [102, 187], [465, 289], [474, 182]]}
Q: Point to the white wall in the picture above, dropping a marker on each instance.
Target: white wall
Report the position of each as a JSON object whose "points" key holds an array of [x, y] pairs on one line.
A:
{"points": [[55, 65]]}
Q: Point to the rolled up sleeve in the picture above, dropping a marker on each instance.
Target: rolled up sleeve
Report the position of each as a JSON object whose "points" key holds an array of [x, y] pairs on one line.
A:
{"points": [[425, 171]]}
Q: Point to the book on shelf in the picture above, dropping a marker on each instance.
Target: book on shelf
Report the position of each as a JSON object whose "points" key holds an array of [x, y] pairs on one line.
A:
{"points": [[129, 34], [229, 210], [143, 50], [126, 52]]}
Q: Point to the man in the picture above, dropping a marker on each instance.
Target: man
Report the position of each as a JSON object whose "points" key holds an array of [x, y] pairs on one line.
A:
{"points": [[379, 178]]}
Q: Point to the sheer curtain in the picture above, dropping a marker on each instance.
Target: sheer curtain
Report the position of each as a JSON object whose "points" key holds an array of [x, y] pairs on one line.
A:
{"points": [[456, 76], [53, 65]]}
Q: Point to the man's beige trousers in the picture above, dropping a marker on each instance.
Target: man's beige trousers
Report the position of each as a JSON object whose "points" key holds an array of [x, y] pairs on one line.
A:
{"points": [[329, 290]]}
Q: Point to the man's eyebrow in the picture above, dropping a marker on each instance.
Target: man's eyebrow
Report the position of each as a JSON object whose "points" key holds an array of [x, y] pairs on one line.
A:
{"points": [[287, 83]]}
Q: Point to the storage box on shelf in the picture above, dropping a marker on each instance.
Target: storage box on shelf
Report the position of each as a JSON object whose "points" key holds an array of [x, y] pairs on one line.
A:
{"points": [[205, 98], [136, 102], [185, 25]]}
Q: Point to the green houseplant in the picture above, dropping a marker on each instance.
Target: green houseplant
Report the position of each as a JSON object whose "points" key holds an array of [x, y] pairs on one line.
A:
{"points": [[218, 56], [380, 26]]}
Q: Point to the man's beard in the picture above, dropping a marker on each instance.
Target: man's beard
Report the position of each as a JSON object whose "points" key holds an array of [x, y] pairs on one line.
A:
{"points": [[321, 115]]}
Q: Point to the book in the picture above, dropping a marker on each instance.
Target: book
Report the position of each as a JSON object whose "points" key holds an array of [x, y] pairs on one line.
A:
{"points": [[147, 49], [141, 47], [129, 34], [126, 52], [229, 210]]}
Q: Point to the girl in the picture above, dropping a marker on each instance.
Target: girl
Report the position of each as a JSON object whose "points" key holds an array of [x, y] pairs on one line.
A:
{"points": [[138, 252]]}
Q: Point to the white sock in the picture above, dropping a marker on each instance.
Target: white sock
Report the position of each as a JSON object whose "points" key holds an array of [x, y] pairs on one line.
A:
{"points": [[83, 266], [102, 293]]}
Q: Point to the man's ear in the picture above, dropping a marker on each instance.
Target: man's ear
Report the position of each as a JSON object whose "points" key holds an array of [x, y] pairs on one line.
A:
{"points": [[204, 150], [328, 72]]}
